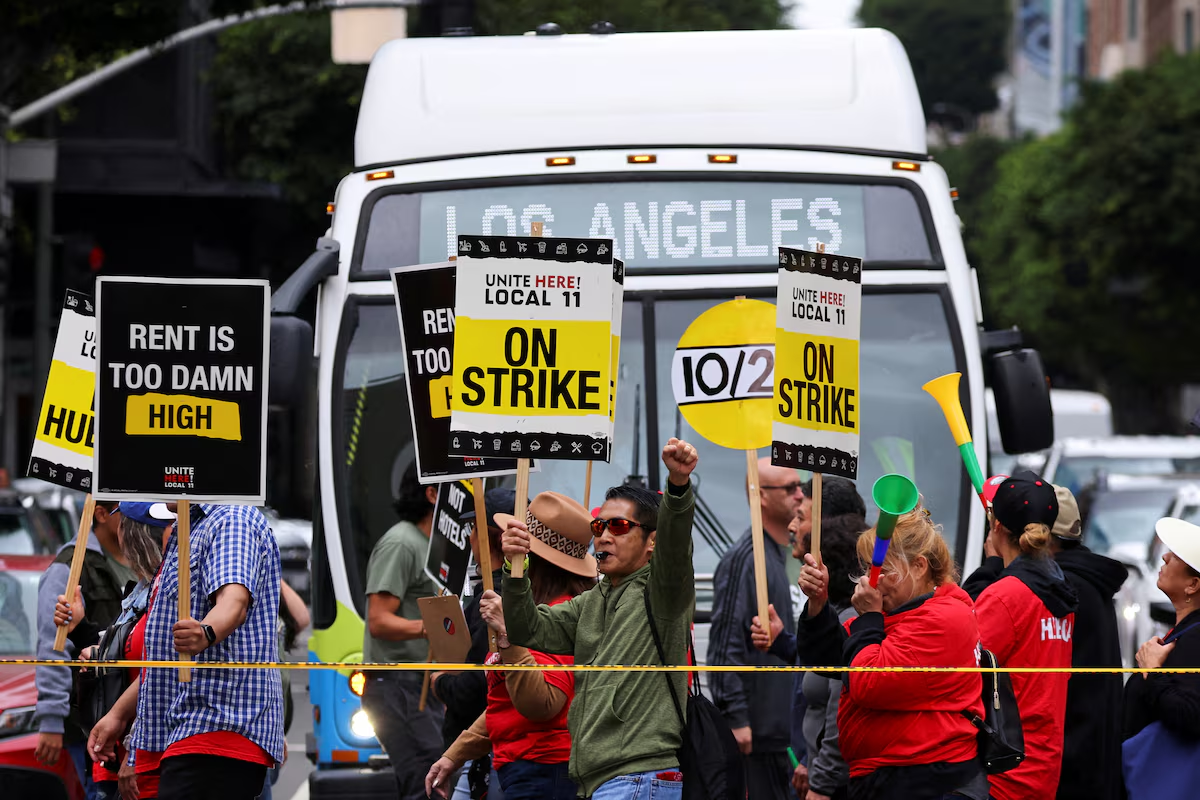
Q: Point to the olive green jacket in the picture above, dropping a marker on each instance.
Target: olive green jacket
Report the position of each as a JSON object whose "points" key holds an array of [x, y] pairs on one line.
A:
{"points": [[621, 722]]}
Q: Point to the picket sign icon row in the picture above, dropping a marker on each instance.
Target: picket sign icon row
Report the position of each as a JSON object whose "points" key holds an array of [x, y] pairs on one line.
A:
{"points": [[561, 249]]}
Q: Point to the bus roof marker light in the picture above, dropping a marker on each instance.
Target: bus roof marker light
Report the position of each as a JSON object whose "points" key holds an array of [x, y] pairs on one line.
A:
{"points": [[953, 193], [381, 175], [722, 158], [906, 166], [560, 161], [329, 208], [641, 158]]}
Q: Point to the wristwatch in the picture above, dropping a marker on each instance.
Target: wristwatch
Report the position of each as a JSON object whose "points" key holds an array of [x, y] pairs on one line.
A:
{"points": [[209, 634]]}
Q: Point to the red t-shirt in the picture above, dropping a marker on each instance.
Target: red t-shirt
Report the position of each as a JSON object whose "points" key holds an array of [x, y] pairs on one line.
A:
{"points": [[516, 737], [221, 743]]}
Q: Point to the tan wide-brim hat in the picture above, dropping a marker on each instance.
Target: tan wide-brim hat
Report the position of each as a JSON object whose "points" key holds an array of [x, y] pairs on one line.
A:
{"points": [[1181, 538], [561, 532]]}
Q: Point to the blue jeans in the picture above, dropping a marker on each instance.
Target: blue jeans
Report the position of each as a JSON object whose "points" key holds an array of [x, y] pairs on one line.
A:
{"points": [[640, 786], [83, 768], [528, 780]]}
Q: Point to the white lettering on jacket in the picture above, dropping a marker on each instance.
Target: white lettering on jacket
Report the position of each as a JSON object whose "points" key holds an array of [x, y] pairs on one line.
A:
{"points": [[1056, 629]]}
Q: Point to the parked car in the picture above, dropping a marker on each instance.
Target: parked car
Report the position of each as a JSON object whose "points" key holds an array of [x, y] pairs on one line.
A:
{"points": [[1119, 523], [1077, 462], [294, 537], [63, 507], [21, 775], [25, 529]]}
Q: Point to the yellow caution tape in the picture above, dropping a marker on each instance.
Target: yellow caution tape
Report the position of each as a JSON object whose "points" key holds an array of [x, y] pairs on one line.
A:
{"points": [[434, 667]]}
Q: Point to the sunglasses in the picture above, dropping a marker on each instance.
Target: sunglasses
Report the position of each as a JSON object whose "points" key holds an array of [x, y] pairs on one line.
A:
{"points": [[790, 488], [618, 525]]}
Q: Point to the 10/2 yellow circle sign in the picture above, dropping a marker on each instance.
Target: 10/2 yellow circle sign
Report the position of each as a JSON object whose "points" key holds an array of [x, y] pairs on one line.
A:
{"points": [[723, 374]]}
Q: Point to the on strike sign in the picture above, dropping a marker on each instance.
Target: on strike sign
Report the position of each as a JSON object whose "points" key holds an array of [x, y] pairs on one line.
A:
{"points": [[181, 389], [819, 305], [425, 303], [62, 444], [532, 346]]}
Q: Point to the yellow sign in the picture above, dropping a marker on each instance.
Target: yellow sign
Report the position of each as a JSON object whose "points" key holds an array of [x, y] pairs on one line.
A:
{"points": [[67, 420], [180, 415], [723, 374], [519, 367], [817, 400]]}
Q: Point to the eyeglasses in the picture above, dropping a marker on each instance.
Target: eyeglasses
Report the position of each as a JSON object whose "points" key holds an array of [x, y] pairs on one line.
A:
{"points": [[618, 525], [790, 488]]}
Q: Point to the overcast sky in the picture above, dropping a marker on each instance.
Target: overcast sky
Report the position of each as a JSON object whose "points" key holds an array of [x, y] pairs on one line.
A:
{"points": [[824, 13]]}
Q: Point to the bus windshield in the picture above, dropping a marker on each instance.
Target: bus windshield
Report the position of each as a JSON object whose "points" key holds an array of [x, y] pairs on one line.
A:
{"points": [[906, 340], [696, 224]]}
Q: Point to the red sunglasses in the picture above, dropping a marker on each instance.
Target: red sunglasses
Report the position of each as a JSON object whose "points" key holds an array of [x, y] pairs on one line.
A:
{"points": [[618, 525]]}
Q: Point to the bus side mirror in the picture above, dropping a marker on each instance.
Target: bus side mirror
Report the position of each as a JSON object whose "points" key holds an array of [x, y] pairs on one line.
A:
{"points": [[1022, 401], [291, 360]]}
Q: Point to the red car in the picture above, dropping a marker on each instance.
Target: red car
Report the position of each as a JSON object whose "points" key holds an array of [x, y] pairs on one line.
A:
{"points": [[21, 774]]}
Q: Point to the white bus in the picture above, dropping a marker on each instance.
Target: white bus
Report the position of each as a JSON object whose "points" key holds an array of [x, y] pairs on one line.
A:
{"points": [[699, 154]]}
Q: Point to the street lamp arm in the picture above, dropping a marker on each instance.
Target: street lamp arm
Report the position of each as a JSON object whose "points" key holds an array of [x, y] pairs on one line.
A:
{"points": [[93, 79]]}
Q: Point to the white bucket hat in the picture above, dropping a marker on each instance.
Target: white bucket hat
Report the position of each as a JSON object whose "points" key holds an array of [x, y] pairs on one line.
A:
{"points": [[1181, 538]]}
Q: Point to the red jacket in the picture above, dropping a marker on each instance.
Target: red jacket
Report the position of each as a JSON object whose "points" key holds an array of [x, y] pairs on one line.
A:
{"points": [[1016, 625], [901, 719]]}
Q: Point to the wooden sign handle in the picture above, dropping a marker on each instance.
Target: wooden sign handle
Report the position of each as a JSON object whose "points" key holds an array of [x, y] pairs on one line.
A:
{"points": [[81, 541], [587, 488], [519, 506], [484, 544], [814, 546], [756, 538], [183, 530]]}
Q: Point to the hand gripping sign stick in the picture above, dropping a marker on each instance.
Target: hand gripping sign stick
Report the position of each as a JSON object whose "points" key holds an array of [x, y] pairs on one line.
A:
{"points": [[81, 540], [945, 391], [484, 546], [183, 530], [895, 496]]}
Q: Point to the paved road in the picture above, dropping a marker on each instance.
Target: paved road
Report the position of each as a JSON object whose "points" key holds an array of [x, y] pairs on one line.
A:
{"points": [[293, 778]]}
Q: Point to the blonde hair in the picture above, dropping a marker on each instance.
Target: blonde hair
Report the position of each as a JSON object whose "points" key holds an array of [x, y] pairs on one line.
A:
{"points": [[915, 535], [1034, 541]]}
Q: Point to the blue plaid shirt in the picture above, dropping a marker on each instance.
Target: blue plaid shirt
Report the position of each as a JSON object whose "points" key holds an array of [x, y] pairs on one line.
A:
{"points": [[229, 544]]}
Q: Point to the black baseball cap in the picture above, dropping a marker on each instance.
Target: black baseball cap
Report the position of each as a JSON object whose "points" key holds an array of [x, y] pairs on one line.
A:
{"points": [[1024, 498], [497, 501]]}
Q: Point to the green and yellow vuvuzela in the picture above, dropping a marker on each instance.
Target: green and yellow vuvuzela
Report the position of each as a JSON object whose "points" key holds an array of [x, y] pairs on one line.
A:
{"points": [[945, 391]]}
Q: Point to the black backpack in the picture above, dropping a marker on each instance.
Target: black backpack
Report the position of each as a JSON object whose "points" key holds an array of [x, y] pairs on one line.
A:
{"points": [[1001, 740], [709, 757]]}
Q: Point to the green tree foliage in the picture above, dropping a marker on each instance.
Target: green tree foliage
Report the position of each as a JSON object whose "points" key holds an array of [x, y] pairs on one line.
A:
{"points": [[1089, 234], [957, 47], [971, 167], [285, 113]]}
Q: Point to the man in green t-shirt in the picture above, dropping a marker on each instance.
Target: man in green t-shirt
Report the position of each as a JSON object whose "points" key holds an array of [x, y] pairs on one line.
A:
{"points": [[395, 579]]}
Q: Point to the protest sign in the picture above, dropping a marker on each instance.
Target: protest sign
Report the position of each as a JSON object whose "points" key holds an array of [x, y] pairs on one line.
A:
{"points": [[816, 423], [532, 348], [62, 443], [449, 550], [721, 376], [181, 400], [425, 304], [722, 373]]}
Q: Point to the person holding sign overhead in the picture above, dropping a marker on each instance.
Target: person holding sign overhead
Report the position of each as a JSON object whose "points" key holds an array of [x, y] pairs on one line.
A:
{"points": [[220, 731], [624, 727], [757, 706], [396, 579]]}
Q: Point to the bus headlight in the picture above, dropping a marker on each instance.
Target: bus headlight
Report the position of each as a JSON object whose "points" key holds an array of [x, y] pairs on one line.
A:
{"points": [[360, 725], [358, 682]]}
